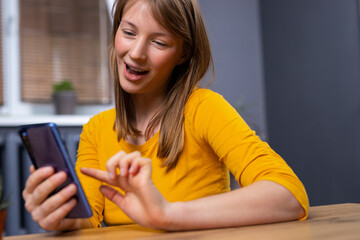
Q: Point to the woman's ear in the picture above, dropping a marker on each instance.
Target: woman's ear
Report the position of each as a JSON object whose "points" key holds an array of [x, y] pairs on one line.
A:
{"points": [[181, 60], [184, 57]]}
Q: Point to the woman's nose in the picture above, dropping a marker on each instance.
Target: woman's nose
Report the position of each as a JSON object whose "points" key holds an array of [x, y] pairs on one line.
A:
{"points": [[138, 50]]}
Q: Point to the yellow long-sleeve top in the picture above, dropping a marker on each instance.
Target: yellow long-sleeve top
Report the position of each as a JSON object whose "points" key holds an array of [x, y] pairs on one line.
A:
{"points": [[216, 140]]}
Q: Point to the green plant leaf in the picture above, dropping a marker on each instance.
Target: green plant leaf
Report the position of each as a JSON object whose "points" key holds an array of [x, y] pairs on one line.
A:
{"points": [[64, 85]]}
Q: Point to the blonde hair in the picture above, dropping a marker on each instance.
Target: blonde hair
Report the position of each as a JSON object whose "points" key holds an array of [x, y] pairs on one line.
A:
{"points": [[183, 19]]}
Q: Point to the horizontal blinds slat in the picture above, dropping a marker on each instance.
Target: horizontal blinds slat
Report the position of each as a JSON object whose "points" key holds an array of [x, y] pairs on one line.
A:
{"points": [[61, 39]]}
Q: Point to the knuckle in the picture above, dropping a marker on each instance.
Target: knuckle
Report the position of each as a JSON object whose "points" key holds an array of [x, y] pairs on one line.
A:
{"points": [[112, 161], [50, 204], [24, 194], [63, 196], [29, 182], [28, 206], [44, 225], [51, 222], [118, 155], [135, 160], [39, 191], [108, 163], [36, 216]]}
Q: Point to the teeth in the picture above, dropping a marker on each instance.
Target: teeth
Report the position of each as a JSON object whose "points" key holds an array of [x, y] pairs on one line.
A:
{"points": [[136, 70]]}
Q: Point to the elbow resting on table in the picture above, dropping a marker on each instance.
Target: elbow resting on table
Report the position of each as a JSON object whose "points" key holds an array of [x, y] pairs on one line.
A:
{"points": [[288, 206]]}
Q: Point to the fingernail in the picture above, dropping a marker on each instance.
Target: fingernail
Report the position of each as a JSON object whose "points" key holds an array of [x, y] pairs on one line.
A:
{"points": [[111, 175], [130, 169], [122, 172]]}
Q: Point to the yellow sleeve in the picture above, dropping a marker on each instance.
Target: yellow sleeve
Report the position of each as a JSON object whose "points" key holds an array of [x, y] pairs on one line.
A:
{"points": [[87, 157], [247, 157]]}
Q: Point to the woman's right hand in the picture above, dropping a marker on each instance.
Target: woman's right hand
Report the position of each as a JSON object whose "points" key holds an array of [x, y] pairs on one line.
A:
{"points": [[49, 212]]}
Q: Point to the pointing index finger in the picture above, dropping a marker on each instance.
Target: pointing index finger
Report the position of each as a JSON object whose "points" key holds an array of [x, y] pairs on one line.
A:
{"points": [[97, 174]]}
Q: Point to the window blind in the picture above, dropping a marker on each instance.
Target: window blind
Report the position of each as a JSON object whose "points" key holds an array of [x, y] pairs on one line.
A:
{"points": [[65, 39]]}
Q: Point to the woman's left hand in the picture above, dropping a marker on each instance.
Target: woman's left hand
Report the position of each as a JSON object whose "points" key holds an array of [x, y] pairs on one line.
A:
{"points": [[142, 201]]}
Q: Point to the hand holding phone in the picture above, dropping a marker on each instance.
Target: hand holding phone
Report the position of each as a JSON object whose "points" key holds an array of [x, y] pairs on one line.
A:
{"points": [[45, 148]]}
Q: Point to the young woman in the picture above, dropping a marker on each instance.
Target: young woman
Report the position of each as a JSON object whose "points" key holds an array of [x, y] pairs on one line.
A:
{"points": [[162, 157]]}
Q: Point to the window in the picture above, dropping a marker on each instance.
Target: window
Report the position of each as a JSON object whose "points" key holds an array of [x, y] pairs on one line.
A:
{"points": [[65, 39]]}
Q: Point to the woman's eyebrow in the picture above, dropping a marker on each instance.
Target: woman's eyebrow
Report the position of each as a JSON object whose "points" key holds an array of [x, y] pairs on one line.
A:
{"points": [[161, 33], [129, 23]]}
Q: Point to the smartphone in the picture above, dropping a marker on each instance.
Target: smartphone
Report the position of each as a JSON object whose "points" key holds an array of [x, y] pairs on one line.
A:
{"points": [[45, 148]]}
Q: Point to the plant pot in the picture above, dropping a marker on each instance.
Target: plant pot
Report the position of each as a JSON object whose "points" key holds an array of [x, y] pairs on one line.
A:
{"points": [[2, 221], [65, 102]]}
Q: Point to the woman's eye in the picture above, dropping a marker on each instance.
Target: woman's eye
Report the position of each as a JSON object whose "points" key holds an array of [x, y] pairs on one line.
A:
{"points": [[128, 33], [161, 44]]}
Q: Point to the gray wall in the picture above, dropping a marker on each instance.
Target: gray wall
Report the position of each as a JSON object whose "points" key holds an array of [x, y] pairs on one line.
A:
{"points": [[295, 64], [312, 61], [234, 31]]}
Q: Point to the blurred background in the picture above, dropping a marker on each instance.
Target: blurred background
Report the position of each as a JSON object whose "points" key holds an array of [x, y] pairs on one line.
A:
{"points": [[290, 67]]}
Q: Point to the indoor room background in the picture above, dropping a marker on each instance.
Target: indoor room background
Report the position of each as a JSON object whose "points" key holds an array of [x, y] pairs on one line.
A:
{"points": [[290, 67]]}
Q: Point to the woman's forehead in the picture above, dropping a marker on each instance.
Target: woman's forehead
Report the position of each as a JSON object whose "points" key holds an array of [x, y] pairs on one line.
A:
{"points": [[140, 12]]}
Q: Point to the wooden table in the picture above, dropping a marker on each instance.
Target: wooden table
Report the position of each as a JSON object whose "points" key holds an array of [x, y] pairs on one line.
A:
{"points": [[340, 221]]}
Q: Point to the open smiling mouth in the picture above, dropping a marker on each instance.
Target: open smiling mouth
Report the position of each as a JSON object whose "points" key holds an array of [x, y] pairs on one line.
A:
{"points": [[134, 71]]}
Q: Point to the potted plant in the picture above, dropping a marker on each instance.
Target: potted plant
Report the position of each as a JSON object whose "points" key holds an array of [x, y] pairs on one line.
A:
{"points": [[3, 205], [64, 97]]}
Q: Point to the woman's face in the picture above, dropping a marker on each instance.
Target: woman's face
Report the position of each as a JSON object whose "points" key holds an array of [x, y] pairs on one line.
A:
{"points": [[146, 52]]}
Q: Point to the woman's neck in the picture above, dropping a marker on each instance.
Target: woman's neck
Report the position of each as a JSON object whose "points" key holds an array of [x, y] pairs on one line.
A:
{"points": [[146, 107]]}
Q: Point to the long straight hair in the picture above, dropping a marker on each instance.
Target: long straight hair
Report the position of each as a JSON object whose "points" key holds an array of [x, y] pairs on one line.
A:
{"points": [[183, 19]]}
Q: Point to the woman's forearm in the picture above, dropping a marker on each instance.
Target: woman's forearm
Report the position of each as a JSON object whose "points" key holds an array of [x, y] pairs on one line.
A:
{"points": [[260, 202], [257, 203]]}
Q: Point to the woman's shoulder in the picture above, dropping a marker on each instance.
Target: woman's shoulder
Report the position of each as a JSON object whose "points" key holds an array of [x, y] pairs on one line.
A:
{"points": [[205, 98], [104, 117], [204, 104], [107, 114], [199, 92], [199, 95]]}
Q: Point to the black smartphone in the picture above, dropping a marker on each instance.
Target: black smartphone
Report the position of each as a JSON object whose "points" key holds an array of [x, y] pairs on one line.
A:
{"points": [[45, 148]]}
